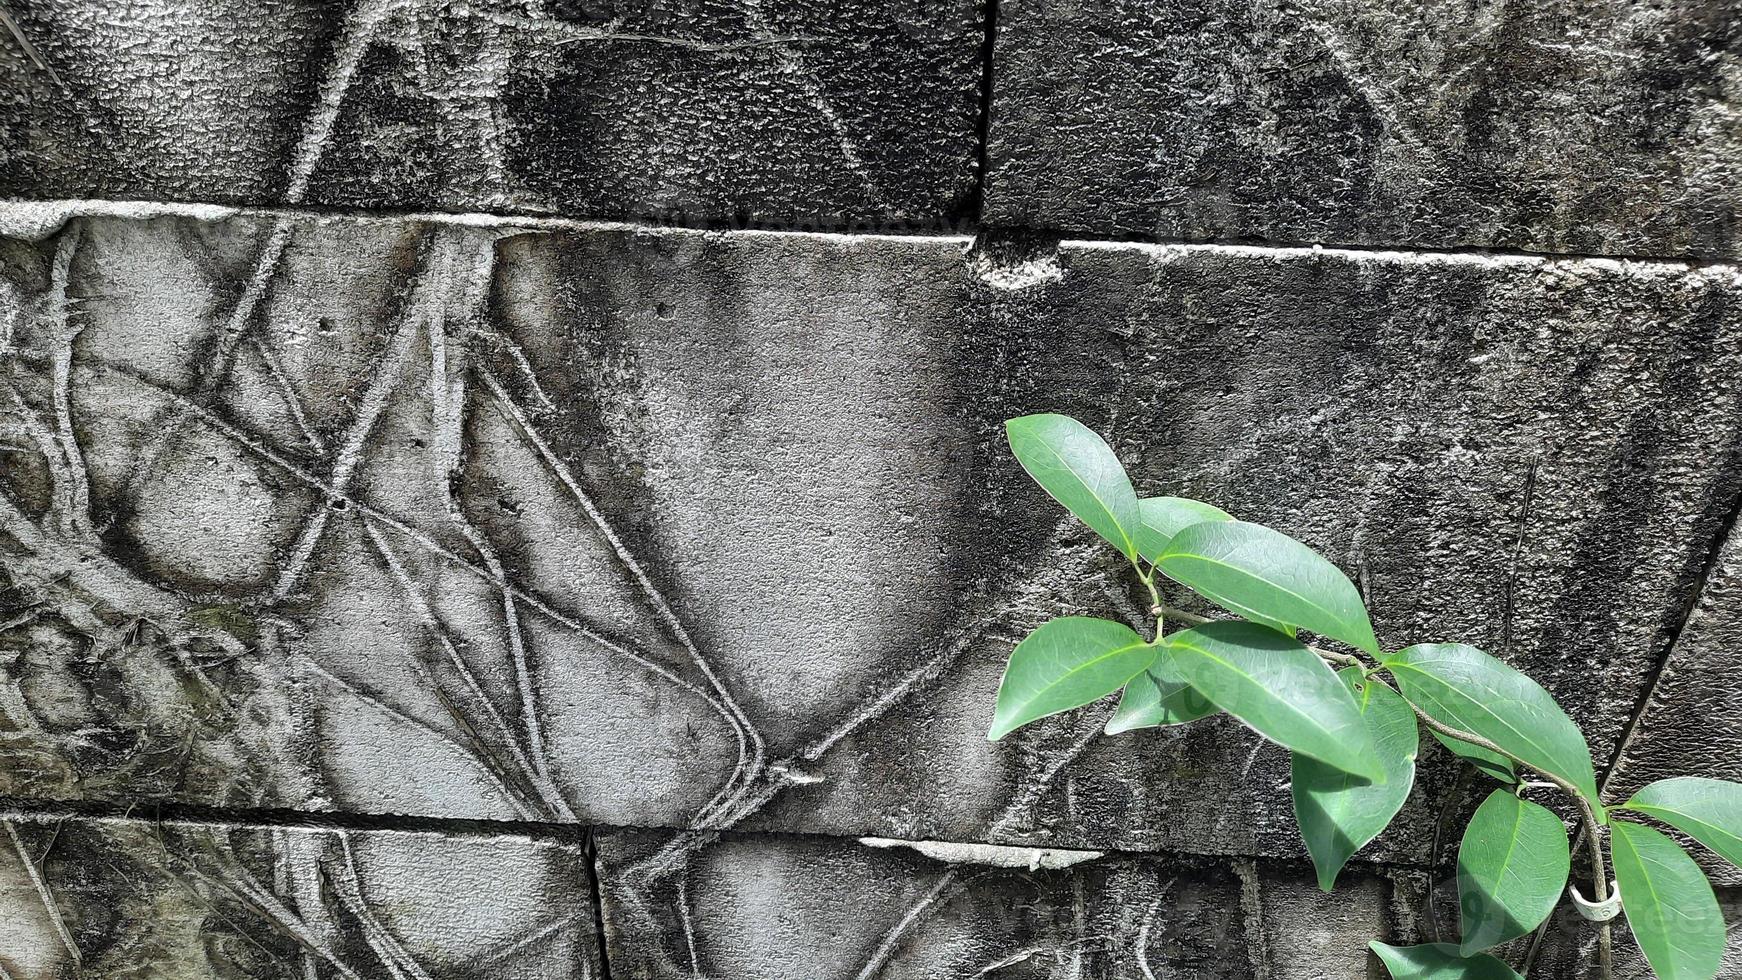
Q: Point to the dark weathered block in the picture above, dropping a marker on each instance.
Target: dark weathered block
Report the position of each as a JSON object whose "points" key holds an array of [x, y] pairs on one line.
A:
{"points": [[149, 900], [685, 529], [851, 112], [1596, 127], [1689, 726]]}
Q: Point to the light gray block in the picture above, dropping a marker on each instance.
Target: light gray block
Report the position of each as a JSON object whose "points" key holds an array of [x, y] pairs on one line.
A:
{"points": [[748, 495], [1601, 127]]}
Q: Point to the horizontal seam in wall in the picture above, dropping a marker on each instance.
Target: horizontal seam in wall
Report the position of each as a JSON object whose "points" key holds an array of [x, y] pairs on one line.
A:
{"points": [[967, 233], [32, 811]]}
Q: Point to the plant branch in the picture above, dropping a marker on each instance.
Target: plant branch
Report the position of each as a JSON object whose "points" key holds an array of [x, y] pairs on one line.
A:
{"points": [[1193, 619], [1156, 609]]}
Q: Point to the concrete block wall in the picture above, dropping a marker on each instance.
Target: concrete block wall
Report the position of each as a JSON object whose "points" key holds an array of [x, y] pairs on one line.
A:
{"points": [[516, 489]]}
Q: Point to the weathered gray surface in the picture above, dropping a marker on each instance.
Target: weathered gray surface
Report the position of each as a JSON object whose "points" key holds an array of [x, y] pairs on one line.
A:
{"points": [[146, 900], [1567, 126], [855, 112], [556, 525], [1689, 725], [772, 907], [765, 550]]}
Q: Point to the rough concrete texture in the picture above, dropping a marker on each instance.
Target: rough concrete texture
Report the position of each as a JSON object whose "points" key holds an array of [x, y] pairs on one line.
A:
{"points": [[770, 906], [793, 112], [674, 909], [482, 589], [1689, 724], [146, 900], [1586, 126], [464, 519]]}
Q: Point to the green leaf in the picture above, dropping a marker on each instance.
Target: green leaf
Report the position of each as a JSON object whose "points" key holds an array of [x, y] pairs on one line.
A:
{"points": [[1669, 903], [1163, 517], [1708, 810], [1490, 763], [1278, 688], [1439, 961], [1079, 470], [1463, 687], [1065, 664], [1151, 700], [1512, 867], [1268, 577], [1338, 814]]}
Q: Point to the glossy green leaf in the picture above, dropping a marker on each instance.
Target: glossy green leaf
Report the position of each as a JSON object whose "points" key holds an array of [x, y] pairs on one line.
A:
{"points": [[1079, 470], [1439, 961], [1490, 763], [1338, 813], [1268, 577], [1512, 868], [1065, 664], [1277, 687], [1669, 903], [1151, 700], [1163, 517], [1708, 810], [1460, 686]]}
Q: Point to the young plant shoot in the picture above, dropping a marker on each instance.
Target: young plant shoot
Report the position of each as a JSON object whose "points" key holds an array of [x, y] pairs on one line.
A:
{"points": [[1348, 713]]}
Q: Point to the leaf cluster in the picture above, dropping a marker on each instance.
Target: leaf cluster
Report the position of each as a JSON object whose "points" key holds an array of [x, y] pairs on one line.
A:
{"points": [[1352, 730]]}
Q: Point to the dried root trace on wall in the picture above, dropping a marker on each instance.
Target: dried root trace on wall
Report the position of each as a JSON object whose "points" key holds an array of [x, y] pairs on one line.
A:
{"points": [[496, 595]]}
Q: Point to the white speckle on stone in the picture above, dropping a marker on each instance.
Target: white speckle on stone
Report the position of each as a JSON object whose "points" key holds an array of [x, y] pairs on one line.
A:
{"points": [[1017, 275], [1581, 267], [992, 855], [34, 221]]}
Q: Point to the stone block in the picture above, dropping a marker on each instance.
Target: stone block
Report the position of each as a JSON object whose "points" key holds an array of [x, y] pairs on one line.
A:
{"points": [[1688, 725], [706, 112], [144, 899], [773, 907], [560, 522], [1585, 127]]}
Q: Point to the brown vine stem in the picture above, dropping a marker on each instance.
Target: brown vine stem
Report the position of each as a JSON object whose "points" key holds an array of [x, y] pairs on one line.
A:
{"points": [[1193, 619]]}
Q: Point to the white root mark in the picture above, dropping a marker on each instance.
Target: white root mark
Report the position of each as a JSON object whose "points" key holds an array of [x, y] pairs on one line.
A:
{"points": [[751, 751], [1141, 946], [438, 631], [946, 885], [382, 705], [44, 893], [447, 397], [241, 883], [47, 446], [16, 524], [385, 377], [359, 32], [287, 393], [76, 519], [689, 928], [36, 58], [388, 949]]}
